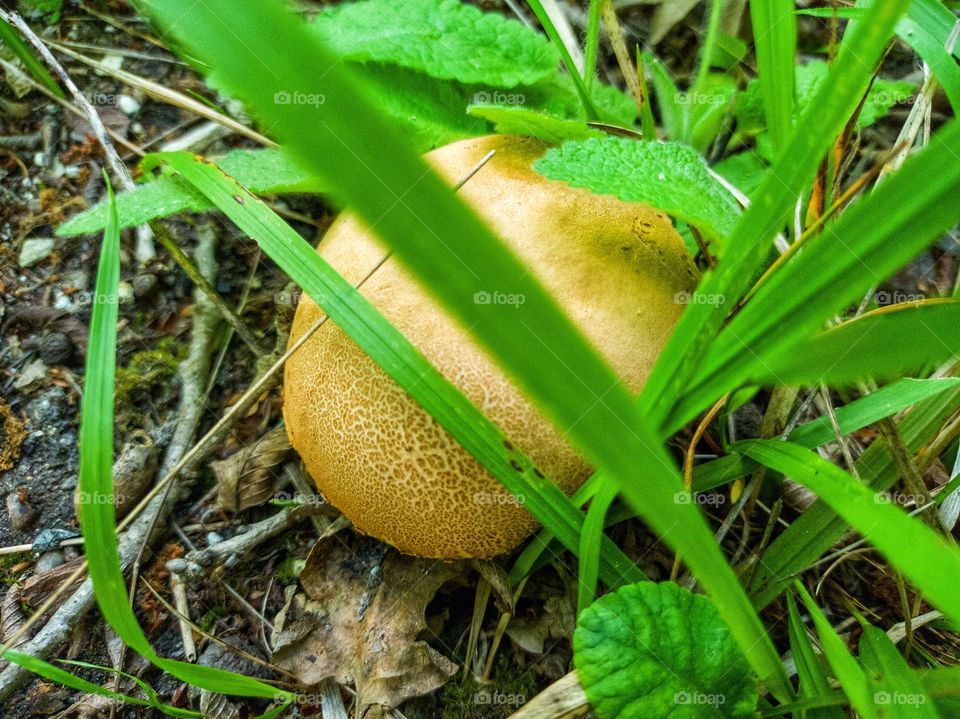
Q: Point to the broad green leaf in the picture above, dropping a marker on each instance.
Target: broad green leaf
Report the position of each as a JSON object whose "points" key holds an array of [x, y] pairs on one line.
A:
{"points": [[813, 680], [669, 176], [744, 171], [819, 528], [846, 669], [652, 651], [835, 269], [879, 345], [347, 141], [775, 43], [751, 241], [514, 120], [883, 94], [265, 172], [446, 39], [97, 519], [897, 688], [943, 684], [932, 564], [398, 358]]}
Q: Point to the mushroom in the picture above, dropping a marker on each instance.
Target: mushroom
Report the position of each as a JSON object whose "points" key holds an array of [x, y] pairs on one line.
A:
{"points": [[618, 269]]}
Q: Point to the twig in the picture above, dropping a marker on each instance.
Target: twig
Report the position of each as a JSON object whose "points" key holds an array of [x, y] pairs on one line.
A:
{"points": [[179, 591]]}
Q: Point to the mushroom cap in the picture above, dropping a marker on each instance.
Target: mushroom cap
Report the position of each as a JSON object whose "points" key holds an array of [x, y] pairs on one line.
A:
{"points": [[382, 460]]}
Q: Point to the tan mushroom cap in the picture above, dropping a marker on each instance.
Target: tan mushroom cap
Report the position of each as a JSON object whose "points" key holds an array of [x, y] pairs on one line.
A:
{"points": [[375, 454]]}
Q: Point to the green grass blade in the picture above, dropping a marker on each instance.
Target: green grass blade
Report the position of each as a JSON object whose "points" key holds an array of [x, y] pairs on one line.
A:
{"points": [[590, 545], [819, 528], [56, 674], [24, 53], [846, 669], [548, 27], [592, 44], [96, 516], [921, 555], [447, 249], [393, 352], [879, 345], [793, 168], [895, 682], [775, 43], [835, 269], [813, 681], [929, 47]]}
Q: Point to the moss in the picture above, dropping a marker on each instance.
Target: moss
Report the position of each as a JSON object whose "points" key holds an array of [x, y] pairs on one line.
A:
{"points": [[209, 620], [148, 369], [510, 688]]}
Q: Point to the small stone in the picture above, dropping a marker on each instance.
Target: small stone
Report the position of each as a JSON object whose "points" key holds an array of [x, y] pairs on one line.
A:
{"points": [[35, 250], [144, 284], [128, 105], [125, 293], [55, 348], [50, 560], [34, 372], [21, 514], [177, 566], [213, 538]]}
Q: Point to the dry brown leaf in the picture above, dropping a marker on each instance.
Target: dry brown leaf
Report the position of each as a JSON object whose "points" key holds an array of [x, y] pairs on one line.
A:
{"points": [[358, 620], [247, 478]]}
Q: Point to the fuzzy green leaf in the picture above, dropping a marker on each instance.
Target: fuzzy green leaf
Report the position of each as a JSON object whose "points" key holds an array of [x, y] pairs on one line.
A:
{"points": [[651, 651], [669, 176], [443, 38], [513, 120]]}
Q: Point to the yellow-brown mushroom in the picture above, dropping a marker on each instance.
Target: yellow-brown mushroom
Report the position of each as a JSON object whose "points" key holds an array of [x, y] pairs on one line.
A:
{"points": [[616, 268]]}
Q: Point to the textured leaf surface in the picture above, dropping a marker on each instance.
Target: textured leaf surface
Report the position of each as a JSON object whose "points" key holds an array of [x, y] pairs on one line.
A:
{"points": [[512, 120], [651, 650], [883, 95], [669, 176], [443, 38]]}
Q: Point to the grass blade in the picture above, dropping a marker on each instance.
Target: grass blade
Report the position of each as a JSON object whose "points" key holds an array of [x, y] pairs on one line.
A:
{"points": [[794, 166], [846, 669], [365, 159], [819, 528], [12, 40], [922, 556], [895, 682], [813, 681], [775, 43], [96, 516], [590, 537]]}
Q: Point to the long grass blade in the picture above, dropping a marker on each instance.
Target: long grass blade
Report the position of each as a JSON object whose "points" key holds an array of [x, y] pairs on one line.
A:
{"points": [[445, 247], [924, 557], [775, 43]]}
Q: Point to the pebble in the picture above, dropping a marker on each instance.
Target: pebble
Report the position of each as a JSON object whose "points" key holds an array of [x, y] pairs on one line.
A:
{"points": [[128, 105], [35, 249], [50, 560], [213, 538], [55, 348], [21, 514], [34, 372]]}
